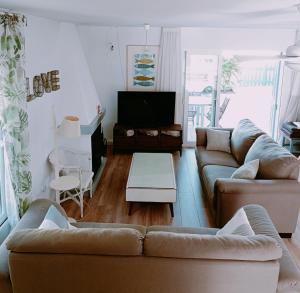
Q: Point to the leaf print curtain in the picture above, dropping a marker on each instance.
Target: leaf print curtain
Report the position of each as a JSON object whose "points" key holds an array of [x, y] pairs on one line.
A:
{"points": [[13, 115]]}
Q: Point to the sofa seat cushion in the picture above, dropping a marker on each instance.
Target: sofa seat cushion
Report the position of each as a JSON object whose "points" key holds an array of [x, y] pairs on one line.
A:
{"points": [[205, 157], [243, 136], [289, 274], [275, 162], [210, 174]]}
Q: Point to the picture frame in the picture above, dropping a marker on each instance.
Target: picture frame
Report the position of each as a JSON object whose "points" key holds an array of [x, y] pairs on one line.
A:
{"points": [[142, 64]]}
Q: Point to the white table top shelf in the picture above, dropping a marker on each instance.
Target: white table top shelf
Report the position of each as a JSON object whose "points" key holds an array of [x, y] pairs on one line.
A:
{"points": [[152, 170]]}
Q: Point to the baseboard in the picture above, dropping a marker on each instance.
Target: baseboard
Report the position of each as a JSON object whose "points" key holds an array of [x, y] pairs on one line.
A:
{"points": [[98, 174]]}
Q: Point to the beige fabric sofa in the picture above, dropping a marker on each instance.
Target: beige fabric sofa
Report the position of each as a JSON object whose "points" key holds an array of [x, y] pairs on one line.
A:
{"points": [[275, 187], [128, 258]]}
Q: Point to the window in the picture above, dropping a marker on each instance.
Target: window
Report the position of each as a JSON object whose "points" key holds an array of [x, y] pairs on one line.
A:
{"points": [[222, 88]]}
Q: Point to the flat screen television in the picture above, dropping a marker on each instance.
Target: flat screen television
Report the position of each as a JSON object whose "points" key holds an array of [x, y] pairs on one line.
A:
{"points": [[146, 109]]}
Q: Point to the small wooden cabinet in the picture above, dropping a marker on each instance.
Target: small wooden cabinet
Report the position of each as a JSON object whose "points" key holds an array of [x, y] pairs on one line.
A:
{"points": [[142, 140]]}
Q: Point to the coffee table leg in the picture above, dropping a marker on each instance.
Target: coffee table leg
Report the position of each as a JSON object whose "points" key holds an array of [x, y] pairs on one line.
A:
{"points": [[171, 209], [129, 208]]}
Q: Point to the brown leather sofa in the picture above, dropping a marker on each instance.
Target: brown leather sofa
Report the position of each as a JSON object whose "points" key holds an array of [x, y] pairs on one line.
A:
{"points": [[276, 187], [122, 258]]}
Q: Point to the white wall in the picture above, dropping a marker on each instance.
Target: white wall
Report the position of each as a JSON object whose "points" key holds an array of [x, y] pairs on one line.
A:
{"points": [[109, 68], [237, 39], [53, 45], [41, 36]]}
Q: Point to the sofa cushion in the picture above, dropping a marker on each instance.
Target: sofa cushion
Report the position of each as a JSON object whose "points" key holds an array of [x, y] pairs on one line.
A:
{"points": [[289, 274], [189, 230], [243, 136], [237, 225], [140, 228], [210, 174], [231, 247], [54, 220], [247, 171], [218, 140], [115, 241], [275, 162], [205, 157]]}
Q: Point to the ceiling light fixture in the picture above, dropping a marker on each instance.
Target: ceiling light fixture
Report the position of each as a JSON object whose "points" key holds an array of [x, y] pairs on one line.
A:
{"points": [[147, 28]]}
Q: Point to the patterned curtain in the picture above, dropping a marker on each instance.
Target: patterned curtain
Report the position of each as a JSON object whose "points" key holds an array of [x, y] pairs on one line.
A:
{"points": [[13, 115]]}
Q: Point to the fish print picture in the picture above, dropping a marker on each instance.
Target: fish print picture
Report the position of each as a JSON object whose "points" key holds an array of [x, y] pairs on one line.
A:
{"points": [[142, 65]]}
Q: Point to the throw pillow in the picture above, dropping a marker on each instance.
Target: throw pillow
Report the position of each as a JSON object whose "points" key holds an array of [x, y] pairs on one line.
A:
{"points": [[55, 220], [218, 140], [242, 138], [238, 225], [275, 161], [247, 171]]}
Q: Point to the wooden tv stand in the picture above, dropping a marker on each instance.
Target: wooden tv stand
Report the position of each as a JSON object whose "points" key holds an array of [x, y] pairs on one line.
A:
{"points": [[140, 141]]}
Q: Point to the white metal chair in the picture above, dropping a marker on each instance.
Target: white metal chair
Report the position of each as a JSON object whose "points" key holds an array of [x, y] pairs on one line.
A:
{"points": [[68, 162]]}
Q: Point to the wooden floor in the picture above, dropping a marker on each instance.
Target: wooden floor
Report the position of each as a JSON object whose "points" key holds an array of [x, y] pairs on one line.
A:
{"points": [[108, 203]]}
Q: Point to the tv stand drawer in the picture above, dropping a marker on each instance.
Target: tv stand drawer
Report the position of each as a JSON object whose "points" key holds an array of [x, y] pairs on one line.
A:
{"points": [[142, 140]]}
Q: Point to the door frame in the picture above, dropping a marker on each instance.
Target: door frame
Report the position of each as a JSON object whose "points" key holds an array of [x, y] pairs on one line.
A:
{"points": [[215, 101]]}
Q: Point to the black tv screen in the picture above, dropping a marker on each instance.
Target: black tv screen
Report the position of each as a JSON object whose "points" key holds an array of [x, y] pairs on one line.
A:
{"points": [[146, 109]]}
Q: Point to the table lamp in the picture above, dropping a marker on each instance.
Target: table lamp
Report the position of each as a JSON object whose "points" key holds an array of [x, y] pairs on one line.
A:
{"points": [[70, 127]]}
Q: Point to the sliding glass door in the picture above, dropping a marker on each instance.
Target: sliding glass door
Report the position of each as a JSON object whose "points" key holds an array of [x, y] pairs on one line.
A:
{"points": [[224, 87], [201, 92]]}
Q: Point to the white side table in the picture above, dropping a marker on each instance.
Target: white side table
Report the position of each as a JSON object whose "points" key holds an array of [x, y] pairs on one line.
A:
{"points": [[62, 186]]}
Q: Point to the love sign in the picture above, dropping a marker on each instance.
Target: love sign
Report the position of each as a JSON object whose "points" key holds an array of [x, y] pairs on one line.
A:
{"points": [[43, 83]]}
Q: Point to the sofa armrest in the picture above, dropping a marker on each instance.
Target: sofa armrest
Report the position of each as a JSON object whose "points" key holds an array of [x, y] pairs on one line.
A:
{"points": [[228, 185], [201, 134], [279, 197]]}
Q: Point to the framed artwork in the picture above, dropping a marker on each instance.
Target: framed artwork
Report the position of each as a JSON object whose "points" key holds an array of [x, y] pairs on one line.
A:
{"points": [[141, 67]]}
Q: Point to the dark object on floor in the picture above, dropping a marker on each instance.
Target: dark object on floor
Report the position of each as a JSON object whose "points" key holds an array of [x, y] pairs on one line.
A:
{"points": [[291, 133]]}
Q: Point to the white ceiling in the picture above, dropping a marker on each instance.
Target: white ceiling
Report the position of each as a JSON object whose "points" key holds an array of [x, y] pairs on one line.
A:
{"points": [[208, 13]]}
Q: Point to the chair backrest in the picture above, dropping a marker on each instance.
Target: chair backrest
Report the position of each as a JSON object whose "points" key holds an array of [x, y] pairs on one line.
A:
{"points": [[65, 158], [223, 107], [54, 159]]}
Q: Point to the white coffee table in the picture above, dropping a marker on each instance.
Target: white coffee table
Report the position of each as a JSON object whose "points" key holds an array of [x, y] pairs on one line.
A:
{"points": [[151, 179]]}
